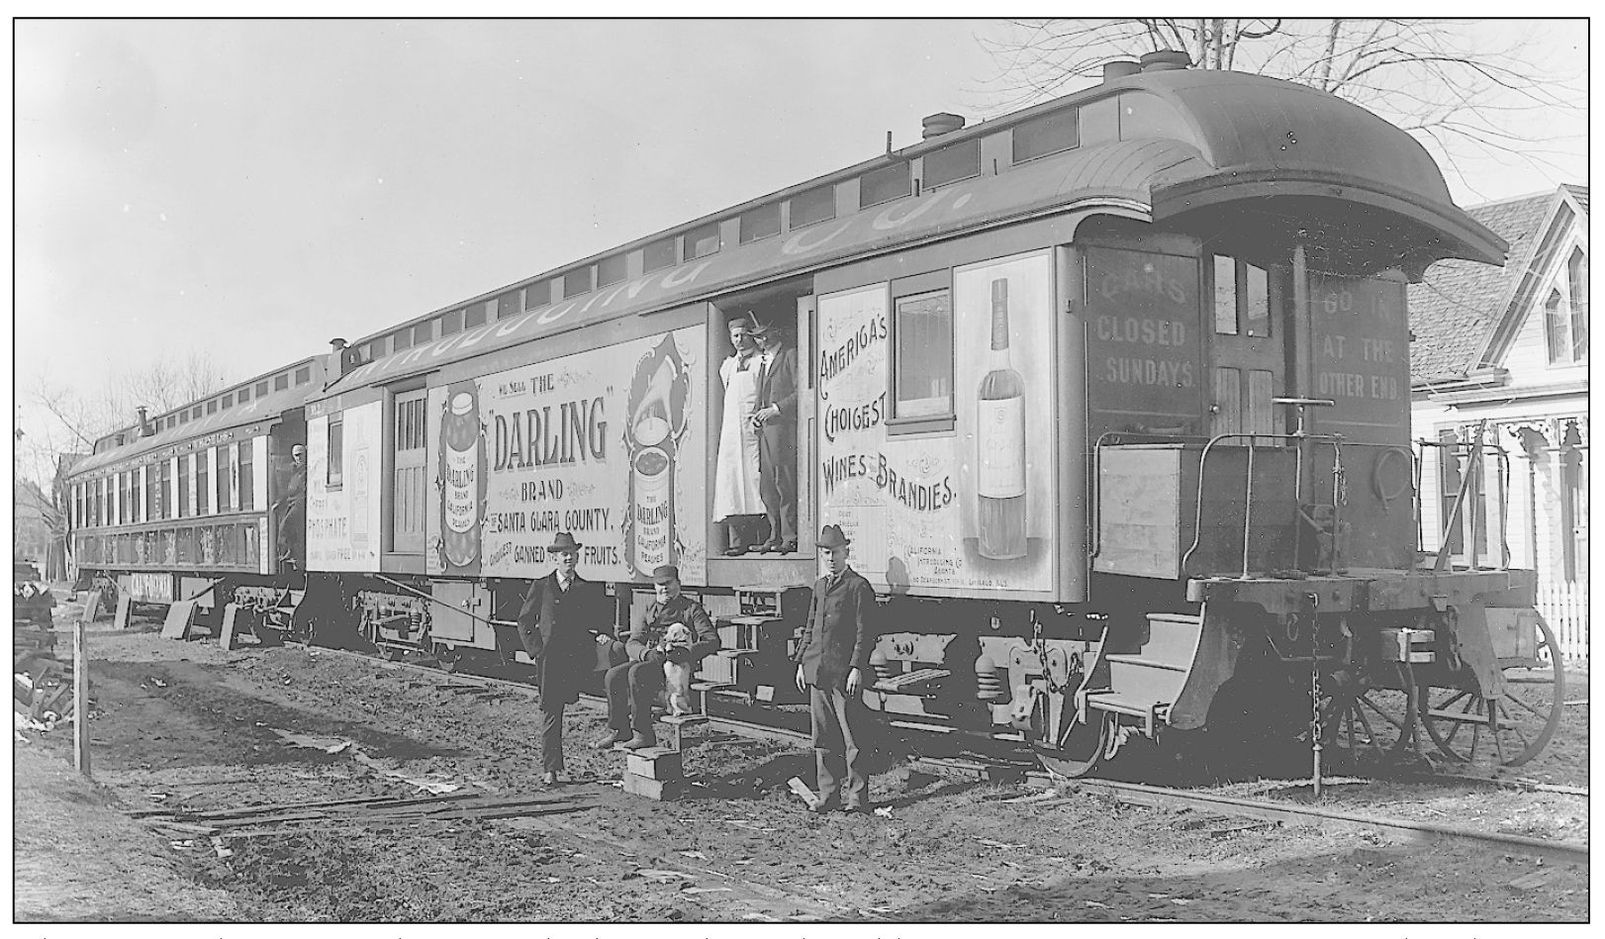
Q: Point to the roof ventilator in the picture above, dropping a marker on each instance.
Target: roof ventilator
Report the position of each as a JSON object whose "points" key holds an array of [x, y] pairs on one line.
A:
{"points": [[940, 123]]}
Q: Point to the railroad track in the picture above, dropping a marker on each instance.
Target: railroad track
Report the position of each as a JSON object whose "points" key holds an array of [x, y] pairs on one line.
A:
{"points": [[1132, 793]]}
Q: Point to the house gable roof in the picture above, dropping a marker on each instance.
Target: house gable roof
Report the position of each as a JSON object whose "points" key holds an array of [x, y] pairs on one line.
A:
{"points": [[1463, 314]]}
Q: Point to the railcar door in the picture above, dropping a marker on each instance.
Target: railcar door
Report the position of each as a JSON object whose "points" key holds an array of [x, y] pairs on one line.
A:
{"points": [[409, 469], [1247, 364]]}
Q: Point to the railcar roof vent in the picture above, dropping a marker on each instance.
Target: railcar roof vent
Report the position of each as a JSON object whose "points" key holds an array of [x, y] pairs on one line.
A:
{"points": [[341, 360], [1165, 60], [145, 428], [1120, 68], [940, 123]]}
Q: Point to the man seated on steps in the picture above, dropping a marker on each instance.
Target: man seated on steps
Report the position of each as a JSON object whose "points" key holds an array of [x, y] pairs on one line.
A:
{"points": [[633, 687]]}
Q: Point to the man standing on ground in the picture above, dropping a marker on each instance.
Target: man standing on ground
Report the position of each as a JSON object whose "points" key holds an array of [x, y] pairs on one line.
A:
{"points": [[832, 660], [560, 623], [633, 686], [776, 420]]}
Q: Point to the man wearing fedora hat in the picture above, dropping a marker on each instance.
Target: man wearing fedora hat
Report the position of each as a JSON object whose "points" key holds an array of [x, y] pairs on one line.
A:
{"points": [[561, 614], [633, 686], [832, 660], [775, 416]]}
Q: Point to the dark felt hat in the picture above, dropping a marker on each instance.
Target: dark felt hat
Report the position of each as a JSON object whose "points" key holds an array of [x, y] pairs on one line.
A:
{"points": [[760, 328], [831, 537], [564, 542], [666, 573]]}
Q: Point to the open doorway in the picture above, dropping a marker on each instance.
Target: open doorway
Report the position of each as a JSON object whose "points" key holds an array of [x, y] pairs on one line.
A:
{"points": [[761, 417]]}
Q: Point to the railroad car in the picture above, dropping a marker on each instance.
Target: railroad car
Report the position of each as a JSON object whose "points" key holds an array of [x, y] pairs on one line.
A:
{"points": [[1111, 395], [179, 507]]}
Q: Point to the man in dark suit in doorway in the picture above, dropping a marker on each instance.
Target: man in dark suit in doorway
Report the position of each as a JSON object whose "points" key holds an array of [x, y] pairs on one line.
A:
{"points": [[562, 620], [832, 665], [776, 420]]}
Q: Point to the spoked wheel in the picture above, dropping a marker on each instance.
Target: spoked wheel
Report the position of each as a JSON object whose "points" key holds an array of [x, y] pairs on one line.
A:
{"points": [[1081, 748], [1367, 724], [1507, 730]]}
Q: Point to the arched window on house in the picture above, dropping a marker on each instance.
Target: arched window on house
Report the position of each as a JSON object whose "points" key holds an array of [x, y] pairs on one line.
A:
{"points": [[1577, 286]]}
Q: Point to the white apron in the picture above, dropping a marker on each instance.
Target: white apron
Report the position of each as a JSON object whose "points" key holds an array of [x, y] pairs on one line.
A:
{"points": [[735, 482]]}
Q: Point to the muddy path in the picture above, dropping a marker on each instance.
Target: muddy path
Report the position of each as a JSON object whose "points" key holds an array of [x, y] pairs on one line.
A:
{"points": [[188, 725]]}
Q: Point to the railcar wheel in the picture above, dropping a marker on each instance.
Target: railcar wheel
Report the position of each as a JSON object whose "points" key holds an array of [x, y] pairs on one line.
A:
{"points": [[1368, 724], [447, 657], [1510, 729]]}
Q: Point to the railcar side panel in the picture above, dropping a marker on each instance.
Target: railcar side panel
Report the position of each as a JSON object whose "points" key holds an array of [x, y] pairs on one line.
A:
{"points": [[343, 517], [606, 443], [941, 480]]}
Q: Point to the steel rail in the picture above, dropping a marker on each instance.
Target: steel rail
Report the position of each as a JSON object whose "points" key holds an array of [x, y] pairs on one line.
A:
{"points": [[1163, 797], [1133, 793]]}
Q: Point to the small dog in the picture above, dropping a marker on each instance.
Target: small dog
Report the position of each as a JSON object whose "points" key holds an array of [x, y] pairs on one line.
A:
{"points": [[677, 675]]}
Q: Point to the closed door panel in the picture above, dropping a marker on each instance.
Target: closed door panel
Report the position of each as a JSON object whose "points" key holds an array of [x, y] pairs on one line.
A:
{"points": [[410, 473]]}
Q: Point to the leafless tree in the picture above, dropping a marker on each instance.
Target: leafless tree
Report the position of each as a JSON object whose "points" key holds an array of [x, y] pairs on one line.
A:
{"points": [[66, 421], [1441, 80]]}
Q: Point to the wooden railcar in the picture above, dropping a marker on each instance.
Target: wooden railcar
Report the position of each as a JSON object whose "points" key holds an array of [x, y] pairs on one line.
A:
{"points": [[1111, 395]]}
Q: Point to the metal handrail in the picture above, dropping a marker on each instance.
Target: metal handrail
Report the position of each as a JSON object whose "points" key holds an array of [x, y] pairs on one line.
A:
{"points": [[1476, 450], [1336, 440]]}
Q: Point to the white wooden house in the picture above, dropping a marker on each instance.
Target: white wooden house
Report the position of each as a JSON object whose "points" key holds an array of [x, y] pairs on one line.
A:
{"points": [[1503, 353]]}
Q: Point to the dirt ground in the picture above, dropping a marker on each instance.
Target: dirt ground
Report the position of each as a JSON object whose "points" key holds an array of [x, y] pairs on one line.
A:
{"points": [[187, 724]]}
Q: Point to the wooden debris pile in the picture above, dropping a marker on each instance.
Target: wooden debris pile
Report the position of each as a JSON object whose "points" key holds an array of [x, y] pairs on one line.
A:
{"points": [[41, 692]]}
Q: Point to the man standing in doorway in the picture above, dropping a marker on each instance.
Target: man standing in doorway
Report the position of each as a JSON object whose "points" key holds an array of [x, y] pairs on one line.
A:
{"points": [[776, 420], [633, 687], [832, 660], [292, 510], [560, 623]]}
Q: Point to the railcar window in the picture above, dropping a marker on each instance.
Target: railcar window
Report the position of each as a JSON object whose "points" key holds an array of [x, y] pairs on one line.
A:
{"points": [[922, 355], [702, 241], [380, 347], [245, 395], [401, 339], [507, 304], [281, 382], [228, 401], [576, 282], [163, 499], [423, 332], [759, 223], [537, 295], [247, 489], [303, 374], [451, 323], [183, 486], [183, 417], [658, 255], [211, 406], [261, 389], [474, 316], [172, 419], [1242, 298], [1100, 122], [1050, 133], [610, 270], [195, 414], [815, 205], [952, 163], [336, 454], [153, 492], [884, 185], [225, 477], [203, 479]]}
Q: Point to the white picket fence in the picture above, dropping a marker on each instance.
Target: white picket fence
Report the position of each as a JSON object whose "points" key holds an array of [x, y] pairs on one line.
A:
{"points": [[1565, 608]]}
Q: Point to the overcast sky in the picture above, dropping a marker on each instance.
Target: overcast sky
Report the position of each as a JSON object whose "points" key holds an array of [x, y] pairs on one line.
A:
{"points": [[255, 188]]}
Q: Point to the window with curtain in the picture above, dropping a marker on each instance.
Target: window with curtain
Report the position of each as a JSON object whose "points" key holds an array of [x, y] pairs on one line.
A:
{"points": [[922, 335]]}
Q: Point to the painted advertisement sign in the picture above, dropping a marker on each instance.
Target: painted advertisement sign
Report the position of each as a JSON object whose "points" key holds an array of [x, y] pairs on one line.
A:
{"points": [[1144, 344], [970, 508], [606, 444], [343, 522]]}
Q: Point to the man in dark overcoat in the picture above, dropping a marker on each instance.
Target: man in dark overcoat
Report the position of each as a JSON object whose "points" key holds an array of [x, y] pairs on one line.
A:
{"points": [[776, 418], [562, 619], [832, 662], [633, 686]]}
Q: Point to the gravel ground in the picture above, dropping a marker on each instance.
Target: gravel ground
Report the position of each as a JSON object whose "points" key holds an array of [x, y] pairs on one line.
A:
{"points": [[187, 724]]}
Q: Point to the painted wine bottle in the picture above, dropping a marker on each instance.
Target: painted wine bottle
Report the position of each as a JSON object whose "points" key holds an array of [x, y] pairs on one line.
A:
{"points": [[1000, 444]]}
